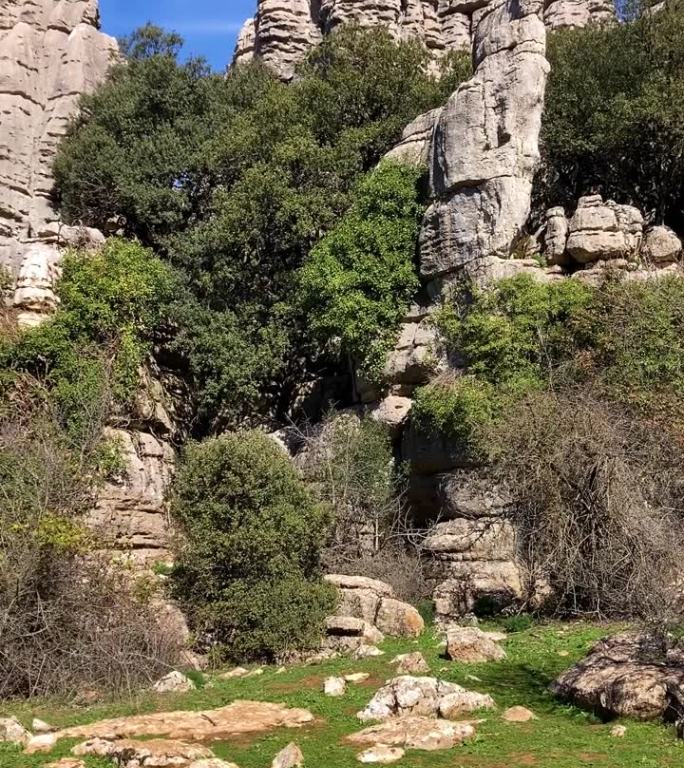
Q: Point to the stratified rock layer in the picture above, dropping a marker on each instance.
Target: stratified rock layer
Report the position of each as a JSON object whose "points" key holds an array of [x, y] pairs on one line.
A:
{"points": [[283, 31], [50, 53]]}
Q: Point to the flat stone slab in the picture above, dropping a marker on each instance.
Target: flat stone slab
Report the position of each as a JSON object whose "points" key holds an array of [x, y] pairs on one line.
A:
{"points": [[413, 732], [238, 718]]}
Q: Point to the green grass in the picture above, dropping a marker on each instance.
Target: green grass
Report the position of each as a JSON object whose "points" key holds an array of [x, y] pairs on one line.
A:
{"points": [[562, 737]]}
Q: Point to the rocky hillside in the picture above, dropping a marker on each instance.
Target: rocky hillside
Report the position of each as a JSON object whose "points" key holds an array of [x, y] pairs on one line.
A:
{"points": [[397, 299]]}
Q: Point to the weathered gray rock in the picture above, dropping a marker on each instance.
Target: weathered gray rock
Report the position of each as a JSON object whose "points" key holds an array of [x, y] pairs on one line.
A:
{"points": [[485, 144], [556, 237], [392, 411], [423, 696], [561, 14], [628, 675], [381, 754], [470, 645], [50, 54], [414, 358], [661, 246], [174, 682], [411, 664], [289, 757], [414, 732], [130, 514], [13, 732], [334, 686], [414, 147], [155, 753], [604, 231]]}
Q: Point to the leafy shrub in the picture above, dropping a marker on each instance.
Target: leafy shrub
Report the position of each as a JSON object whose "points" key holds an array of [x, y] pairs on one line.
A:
{"points": [[459, 409], [612, 119], [248, 571], [359, 280]]}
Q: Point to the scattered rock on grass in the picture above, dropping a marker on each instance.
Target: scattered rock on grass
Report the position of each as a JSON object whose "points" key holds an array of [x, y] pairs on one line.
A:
{"points": [[211, 762], [367, 652], [235, 719], [42, 742], [334, 686], [357, 677], [156, 753], [470, 645], [518, 715], [67, 762], [414, 732], [411, 663], [13, 732], [232, 673], [426, 696], [174, 682], [40, 726], [289, 757], [618, 731], [381, 754]]}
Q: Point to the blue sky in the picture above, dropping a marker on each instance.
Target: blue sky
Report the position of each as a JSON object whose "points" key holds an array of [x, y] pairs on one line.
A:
{"points": [[209, 27]]}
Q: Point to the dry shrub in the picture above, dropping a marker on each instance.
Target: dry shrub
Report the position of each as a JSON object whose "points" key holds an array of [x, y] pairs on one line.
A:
{"points": [[599, 504], [69, 619]]}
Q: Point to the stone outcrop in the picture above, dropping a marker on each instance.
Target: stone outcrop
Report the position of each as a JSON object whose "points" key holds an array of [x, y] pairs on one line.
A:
{"points": [[50, 54], [374, 602], [605, 231], [347, 634], [154, 753], [130, 514], [414, 147], [425, 697], [628, 675], [470, 645], [485, 143], [563, 14], [414, 732], [283, 31], [235, 719]]}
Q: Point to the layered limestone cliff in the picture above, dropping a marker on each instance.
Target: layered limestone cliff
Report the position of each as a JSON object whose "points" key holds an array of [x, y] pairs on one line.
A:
{"points": [[283, 31], [51, 52]]}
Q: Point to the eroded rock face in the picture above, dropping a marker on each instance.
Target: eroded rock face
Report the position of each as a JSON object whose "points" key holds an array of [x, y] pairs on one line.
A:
{"points": [[373, 601], [155, 753], [603, 231], [629, 675], [50, 54], [485, 143], [470, 645], [131, 515], [425, 697], [561, 14]]}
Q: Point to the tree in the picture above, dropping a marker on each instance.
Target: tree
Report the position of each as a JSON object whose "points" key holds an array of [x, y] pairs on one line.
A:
{"points": [[248, 570]]}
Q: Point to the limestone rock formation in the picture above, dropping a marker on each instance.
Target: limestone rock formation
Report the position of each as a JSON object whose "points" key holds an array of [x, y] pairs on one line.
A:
{"points": [[470, 645], [414, 147], [601, 230], [130, 514], [348, 633], [50, 54], [425, 697], [628, 675], [154, 753], [283, 31], [375, 603], [559, 14], [485, 144], [414, 732]]}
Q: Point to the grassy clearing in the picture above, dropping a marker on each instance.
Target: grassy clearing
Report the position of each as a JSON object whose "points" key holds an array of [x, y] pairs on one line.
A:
{"points": [[562, 737]]}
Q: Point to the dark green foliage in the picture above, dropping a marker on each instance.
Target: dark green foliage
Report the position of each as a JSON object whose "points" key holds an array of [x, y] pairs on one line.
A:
{"points": [[613, 115], [359, 280], [248, 572], [235, 179]]}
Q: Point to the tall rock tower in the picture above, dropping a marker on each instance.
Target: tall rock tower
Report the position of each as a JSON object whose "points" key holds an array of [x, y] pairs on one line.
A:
{"points": [[51, 52]]}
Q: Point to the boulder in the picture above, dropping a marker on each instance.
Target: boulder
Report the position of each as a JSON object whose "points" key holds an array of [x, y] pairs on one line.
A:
{"points": [[289, 757], [392, 411], [469, 645], [518, 715], [632, 674], [398, 619], [661, 246], [357, 677], [604, 231], [40, 726], [13, 732], [414, 359], [41, 742], [414, 732], [414, 147], [556, 237], [424, 696], [174, 682], [335, 686], [411, 664]]}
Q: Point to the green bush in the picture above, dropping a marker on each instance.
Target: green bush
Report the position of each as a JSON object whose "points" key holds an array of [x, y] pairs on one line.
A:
{"points": [[459, 409], [359, 280], [612, 118], [248, 572]]}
